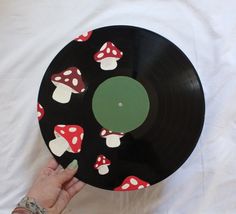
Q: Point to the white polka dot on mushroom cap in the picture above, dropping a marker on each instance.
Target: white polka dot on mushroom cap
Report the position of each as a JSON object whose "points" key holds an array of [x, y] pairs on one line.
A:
{"points": [[108, 50], [83, 89], [112, 44], [114, 52], [75, 82], [99, 158], [81, 136], [100, 55], [125, 186], [79, 40], [57, 78], [61, 125], [72, 129], [103, 47], [103, 132], [40, 106], [85, 34], [78, 72], [133, 181], [68, 72], [74, 140], [66, 80], [96, 165], [103, 161], [62, 132], [39, 114], [141, 187]]}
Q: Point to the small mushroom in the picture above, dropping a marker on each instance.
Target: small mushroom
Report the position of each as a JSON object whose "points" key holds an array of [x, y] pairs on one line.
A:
{"points": [[132, 183], [112, 138], [67, 82], [40, 111], [108, 55], [67, 138], [84, 37], [102, 164]]}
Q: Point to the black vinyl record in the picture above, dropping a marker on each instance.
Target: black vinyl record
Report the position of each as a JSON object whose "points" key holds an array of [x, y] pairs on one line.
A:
{"points": [[126, 103]]}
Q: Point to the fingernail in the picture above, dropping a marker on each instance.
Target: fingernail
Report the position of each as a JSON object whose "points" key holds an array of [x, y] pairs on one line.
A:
{"points": [[73, 164]]}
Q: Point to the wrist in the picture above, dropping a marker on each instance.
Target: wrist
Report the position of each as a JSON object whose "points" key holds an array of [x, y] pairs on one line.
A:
{"points": [[21, 210], [28, 205]]}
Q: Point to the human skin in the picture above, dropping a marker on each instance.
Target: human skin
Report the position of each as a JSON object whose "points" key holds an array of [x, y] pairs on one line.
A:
{"points": [[54, 186]]}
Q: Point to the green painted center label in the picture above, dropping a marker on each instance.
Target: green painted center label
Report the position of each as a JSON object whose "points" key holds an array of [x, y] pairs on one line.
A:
{"points": [[120, 104]]}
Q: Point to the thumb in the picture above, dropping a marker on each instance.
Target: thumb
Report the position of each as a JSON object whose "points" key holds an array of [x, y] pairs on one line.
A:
{"points": [[68, 173]]}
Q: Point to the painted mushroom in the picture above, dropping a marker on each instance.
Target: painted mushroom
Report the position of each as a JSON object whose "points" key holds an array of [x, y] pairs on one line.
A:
{"points": [[84, 37], [107, 56], [67, 82], [102, 164], [132, 183], [112, 138], [67, 138], [40, 111]]}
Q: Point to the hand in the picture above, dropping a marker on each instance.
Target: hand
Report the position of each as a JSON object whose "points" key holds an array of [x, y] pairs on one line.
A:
{"points": [[55, 186]]}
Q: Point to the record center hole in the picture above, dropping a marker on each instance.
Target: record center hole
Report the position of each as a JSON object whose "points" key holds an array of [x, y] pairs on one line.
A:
{"points": [[120, 104]]}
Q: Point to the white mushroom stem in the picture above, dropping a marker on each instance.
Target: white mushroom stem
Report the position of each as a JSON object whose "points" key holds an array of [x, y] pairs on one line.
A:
{"points": [[108, 63], [103, 169], [58, 146], [62, 93], [113, 140]]}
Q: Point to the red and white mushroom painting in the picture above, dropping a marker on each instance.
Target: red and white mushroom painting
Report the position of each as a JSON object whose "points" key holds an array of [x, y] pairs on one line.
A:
{"points": [[84, 37], [132, 183], [67, 138], [107, 56], [102, 164], [67, 82], [40, 111], [112, 138]]}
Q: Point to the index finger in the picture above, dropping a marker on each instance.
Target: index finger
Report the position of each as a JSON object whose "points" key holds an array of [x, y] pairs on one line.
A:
{"points": [[52, 164]]}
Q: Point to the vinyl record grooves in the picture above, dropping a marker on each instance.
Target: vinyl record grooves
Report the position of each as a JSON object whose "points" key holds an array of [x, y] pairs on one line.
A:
{"points": [[126, 103]]}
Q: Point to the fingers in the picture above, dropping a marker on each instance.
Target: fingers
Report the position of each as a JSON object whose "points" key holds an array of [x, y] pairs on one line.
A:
{"points": [[70, 183], [59, 169], [67, 174], [52, 164], [75, 188], [49, 168], [69, 186], [61, 203], [65, 197]]}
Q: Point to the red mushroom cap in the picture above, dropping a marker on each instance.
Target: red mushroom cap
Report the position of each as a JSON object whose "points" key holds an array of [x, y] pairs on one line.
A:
{"points": [[132, 183], [73, 134], [105, 132], [108, 50], [101, 160], [40, 111], [84, 37], [71, 77]]}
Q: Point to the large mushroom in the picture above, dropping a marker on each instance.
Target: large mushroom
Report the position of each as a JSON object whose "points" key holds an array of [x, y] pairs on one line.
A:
{"points": [[84, 37], [108, 55], [40, 111], [67, 138], [67, 82], [112, 138], [102, 164], [132, 183]]}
